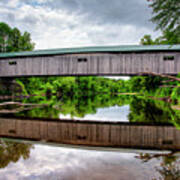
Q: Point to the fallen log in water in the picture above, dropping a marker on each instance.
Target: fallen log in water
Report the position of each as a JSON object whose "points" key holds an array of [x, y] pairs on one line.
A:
{"points": [[175, 107], [18, 107], [160, 75], [6, 97]]}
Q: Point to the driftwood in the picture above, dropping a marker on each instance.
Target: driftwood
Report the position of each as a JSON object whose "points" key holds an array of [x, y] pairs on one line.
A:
{"points": [[5, 97], [21, 107], [16, 110], [169, 86], [146, 156], [166, 99], [16, 103], [160, 75], [127, 93], [175, 107], [167, 81]]}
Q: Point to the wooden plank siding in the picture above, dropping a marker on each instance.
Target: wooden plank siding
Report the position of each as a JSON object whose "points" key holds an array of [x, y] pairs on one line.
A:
{"points": [[92, 133], [93, 64]]}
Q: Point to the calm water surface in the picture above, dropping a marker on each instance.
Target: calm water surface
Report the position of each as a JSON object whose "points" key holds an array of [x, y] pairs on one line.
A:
{"points": [[114, 113], [46, 161], [118, 108], [49, 162]]}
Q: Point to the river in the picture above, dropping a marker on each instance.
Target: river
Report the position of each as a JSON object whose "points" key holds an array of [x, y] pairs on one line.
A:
{"points": [[27, 157]]}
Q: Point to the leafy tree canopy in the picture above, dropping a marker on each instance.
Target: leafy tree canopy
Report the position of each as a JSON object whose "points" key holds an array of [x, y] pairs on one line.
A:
{"points": [[12, 40], [166, 14], [167, 37]]}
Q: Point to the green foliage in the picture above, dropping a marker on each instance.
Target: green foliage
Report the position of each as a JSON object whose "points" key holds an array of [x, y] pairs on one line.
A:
{"points": [[166, 15], [5, 33], [12, 40], [76, 96], [147, 40], [79, 96], [146, 110], [73, 85], [144, 84], [142, 109], [167, 18], [167, 37], [175, 95]]}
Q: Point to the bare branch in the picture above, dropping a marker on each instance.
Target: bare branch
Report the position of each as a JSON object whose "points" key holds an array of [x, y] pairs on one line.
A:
{"points": [[160, 75], [169, 86], [166, 81]]}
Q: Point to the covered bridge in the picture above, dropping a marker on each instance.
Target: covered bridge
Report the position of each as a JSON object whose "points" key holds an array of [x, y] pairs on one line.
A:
{"points": [[106, 60]]}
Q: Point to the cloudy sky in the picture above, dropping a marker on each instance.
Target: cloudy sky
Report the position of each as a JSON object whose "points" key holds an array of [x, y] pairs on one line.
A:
{"points": [[72, 23]]}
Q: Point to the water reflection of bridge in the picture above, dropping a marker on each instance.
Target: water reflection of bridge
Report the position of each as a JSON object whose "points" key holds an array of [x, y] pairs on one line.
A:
{"points": [[92, 133]]}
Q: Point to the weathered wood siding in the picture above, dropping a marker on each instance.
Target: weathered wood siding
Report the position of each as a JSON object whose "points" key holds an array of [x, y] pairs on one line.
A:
{"points": [[91, 64], [92, 133]]}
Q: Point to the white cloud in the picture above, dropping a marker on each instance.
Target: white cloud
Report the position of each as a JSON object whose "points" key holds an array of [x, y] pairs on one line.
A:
{"points": [[9, 3], [59, 27]]}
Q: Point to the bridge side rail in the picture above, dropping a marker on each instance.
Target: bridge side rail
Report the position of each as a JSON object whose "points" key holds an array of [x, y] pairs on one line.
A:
{"points": [[91, 64]]}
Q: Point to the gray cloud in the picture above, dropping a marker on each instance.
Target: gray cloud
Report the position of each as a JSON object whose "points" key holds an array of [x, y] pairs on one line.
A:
{"points": [[8, 16], [31, 20], [123, 12], [134, 12]]}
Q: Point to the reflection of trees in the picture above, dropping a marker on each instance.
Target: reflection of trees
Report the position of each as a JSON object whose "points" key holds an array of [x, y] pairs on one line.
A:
{"points": [[146, 110], [169, 172], [15, 107], [12, 152], [76, 106], [169, 168], [141, 109], [82, 102]]}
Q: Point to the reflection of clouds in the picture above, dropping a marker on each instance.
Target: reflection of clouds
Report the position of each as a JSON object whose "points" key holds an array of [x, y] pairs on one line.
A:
{"points": [[169, 168], [64, 163], [114, 113]]}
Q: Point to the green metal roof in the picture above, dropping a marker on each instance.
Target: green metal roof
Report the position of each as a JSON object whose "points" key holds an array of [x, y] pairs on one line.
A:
{"points": [[95, 49]]}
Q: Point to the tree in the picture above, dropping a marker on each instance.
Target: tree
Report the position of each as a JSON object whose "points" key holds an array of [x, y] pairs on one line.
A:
{"points": [[12, 40], [147, 40], [168, 37], [166, 15], [5, 33]]}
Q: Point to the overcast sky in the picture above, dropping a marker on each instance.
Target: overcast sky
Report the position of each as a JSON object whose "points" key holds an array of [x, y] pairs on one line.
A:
{"points": [[72, 23]]}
